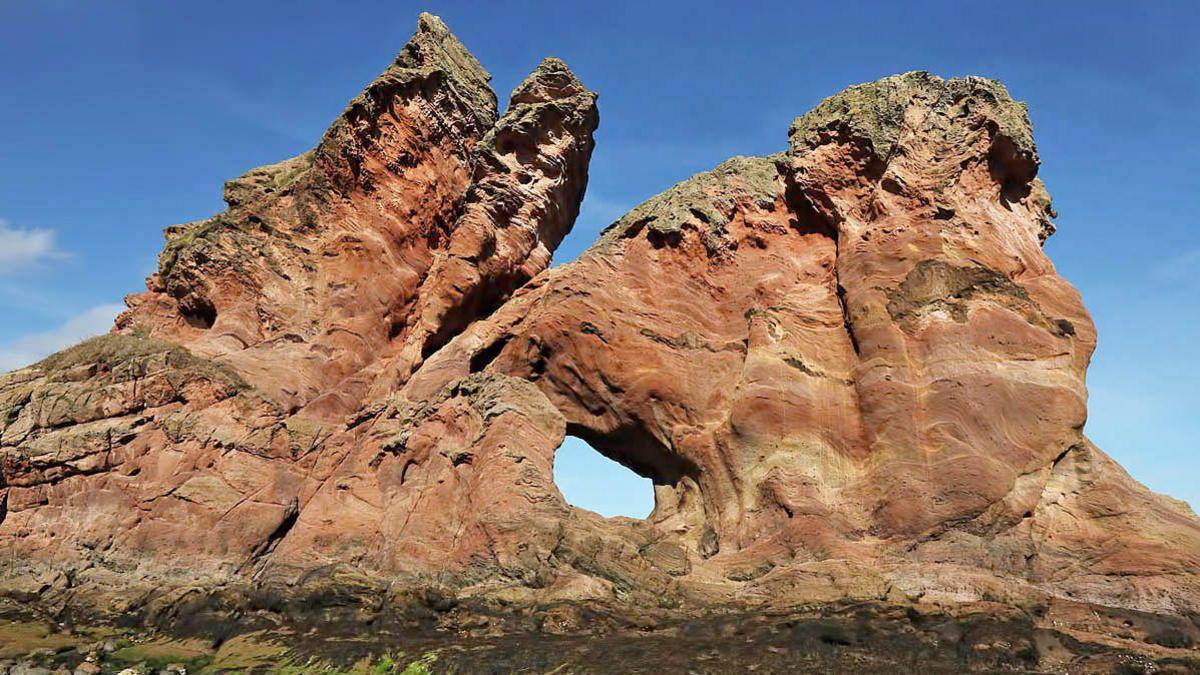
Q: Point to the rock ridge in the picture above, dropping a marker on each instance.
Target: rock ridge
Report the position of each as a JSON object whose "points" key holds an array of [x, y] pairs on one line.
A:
{"points": [[850, 370]]}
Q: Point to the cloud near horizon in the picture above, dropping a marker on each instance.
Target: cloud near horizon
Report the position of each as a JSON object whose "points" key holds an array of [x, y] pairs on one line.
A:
{"points": [[33, 347], [22, 248]]}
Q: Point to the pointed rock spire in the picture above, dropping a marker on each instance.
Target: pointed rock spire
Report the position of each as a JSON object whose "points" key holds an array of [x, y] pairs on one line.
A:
{"points": [[551, 80], [375, 199], [433, 66], [433, 46], [530, 176]]}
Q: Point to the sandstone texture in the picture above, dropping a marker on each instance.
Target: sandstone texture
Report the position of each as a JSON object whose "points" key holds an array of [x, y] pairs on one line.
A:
{"points": [[850, 370]]}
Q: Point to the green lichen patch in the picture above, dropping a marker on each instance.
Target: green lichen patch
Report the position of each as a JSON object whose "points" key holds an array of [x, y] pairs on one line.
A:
{"points": [[422, 666]]}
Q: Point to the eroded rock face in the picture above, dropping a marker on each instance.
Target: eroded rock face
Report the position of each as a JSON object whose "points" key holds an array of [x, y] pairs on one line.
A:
{"points": [[850, 370]]}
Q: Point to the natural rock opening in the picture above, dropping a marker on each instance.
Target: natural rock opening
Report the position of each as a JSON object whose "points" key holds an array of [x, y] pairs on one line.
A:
{"points": [[199, 313], [589, 480]]}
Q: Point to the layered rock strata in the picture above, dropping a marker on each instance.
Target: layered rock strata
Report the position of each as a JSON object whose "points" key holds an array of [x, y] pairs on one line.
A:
{"points": [[849, 369]]}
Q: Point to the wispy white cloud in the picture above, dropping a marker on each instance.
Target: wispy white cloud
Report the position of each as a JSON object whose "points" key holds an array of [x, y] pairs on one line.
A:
{"points": [[30, 348], [1184, 267], [24, 248]]}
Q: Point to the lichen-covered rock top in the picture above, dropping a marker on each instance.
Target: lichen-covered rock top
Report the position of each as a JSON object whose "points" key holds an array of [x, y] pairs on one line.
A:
{"points": [[849, 369], [550, 81], [433, 53], [876, 111], [691, 200]]}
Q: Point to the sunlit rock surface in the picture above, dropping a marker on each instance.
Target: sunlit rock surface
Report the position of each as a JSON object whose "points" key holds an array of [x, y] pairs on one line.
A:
{"points": [[849, 369]]}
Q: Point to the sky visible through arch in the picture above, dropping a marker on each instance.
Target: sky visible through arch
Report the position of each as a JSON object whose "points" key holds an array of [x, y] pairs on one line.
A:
{"points": [[125, 116], [591, 481]]}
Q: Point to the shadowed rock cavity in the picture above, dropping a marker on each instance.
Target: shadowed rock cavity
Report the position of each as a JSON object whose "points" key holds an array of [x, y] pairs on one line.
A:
{"points": [[849, 369]]}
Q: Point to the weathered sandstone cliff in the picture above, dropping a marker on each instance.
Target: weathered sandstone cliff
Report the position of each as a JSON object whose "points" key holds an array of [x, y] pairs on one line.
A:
{"points": [[850, 370]]}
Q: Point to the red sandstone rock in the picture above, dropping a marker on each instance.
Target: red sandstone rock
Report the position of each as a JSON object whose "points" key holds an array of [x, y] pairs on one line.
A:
{"points": [[850, 370]]}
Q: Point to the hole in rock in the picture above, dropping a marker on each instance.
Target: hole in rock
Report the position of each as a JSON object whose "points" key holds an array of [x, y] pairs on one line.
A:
{"points": [[199, 314], [589, 480]]}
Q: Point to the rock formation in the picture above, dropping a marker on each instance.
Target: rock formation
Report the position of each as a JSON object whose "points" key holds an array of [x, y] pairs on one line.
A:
{"points": [[849, 369]]}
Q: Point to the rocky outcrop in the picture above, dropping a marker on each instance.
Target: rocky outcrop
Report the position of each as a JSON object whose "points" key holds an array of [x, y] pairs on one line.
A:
{"points": [[850, 370]]}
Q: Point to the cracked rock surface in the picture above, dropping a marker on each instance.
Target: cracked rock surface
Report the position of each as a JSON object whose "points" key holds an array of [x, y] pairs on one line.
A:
{"points": [[850, 370]]}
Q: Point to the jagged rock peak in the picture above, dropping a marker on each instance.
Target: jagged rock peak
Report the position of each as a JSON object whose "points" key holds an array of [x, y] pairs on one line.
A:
{"points": [[551, 80], [433, 61], [434, 46], [550, 85], [549, 97], [530, 174], [418, 173], [433, 64]]}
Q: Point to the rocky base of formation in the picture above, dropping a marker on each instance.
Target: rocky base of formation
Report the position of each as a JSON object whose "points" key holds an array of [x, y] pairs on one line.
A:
{"points": [[842, 637], [326, 431]]}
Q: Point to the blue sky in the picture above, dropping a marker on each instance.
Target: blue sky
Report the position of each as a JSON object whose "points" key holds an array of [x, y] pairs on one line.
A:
{"points": [[122, 117]]}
